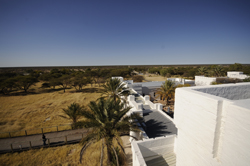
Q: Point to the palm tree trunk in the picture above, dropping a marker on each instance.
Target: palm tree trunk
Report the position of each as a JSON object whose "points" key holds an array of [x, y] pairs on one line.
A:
{"points": [[82, 150], [108, 151], [101, 154], [117, 160], [120, 146]]}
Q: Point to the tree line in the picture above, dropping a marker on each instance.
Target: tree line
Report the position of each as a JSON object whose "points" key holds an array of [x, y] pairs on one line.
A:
{"points": [[211, 71], [63, 78]]}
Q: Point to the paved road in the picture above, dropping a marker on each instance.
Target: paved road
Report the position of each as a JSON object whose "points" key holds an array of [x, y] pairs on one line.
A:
{"points": [[55, 138]]}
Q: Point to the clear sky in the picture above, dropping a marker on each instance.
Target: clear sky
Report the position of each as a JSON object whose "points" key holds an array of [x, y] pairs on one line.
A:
{"points": [[123, 32]]}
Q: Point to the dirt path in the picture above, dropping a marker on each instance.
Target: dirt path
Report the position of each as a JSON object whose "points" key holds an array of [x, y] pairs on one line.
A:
{"points": [[35, 141]]}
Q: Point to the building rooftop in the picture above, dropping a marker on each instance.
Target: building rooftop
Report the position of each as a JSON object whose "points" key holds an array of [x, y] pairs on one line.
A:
{"points": [[157, 124], [230, 91]]}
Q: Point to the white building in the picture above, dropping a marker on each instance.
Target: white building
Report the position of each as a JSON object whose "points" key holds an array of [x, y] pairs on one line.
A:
{"points": [[236, 74], [213, 125], [213, 129], [203, 81]]}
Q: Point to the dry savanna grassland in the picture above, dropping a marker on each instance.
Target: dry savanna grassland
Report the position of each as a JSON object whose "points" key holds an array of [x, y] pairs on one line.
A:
{"points": [[67, 155], [37, 110], [154, 77], [42, 109]]}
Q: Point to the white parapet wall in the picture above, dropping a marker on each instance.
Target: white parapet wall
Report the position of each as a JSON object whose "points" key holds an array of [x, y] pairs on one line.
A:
{"points": [[212, 130], [148, 102], [177, 80], [120, 78], [151, 147], [236, 74], [136, 107], [203, 81]]}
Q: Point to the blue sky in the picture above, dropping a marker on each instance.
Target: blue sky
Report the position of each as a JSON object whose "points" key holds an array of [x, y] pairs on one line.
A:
{"points": [[123, 32]]}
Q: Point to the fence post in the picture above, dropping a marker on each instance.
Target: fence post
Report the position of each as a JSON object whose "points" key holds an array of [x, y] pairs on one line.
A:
{"points": [[11, 147], [9, 134], [25, 132], [66, 140], [30, 145], [57, 128], [42, 130], [48, 142]]}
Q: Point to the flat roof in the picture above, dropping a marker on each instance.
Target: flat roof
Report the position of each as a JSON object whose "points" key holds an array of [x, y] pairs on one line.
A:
{"points": [[157, 124], [154, 83], [229, 91]]}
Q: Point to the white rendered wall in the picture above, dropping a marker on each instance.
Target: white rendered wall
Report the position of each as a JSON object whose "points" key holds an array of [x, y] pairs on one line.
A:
{"points": [[120, 78], [212, 131], [202, 81], [236, 74], [235, 143], [151, 147]]}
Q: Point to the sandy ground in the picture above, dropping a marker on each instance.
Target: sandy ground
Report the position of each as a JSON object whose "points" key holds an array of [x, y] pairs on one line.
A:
{"points": [[153, 77]]}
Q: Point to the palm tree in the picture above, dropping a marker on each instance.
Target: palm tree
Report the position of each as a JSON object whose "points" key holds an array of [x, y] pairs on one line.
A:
{"points": [[114, 88], [73, 112], [218, 70], [202, 70], [108, 122], [167, 90]]}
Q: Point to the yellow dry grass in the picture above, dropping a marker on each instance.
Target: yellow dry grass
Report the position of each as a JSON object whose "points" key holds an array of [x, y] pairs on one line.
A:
{"points": [[31, 111], [63, 155], [153, 77]]}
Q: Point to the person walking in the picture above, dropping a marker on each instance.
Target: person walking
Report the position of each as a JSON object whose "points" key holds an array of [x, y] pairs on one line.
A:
{"points": [[44, 140]]}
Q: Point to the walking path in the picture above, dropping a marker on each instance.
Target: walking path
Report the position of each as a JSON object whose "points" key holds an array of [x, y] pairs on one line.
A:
{"points": [[157, 124], [35, 141]]}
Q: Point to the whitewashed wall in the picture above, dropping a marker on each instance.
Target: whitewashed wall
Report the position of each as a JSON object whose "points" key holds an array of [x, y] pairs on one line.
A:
{"points": [[202, 81], [236, 74], [211, 130], [151, 147], [120, 78], [235, 144]]}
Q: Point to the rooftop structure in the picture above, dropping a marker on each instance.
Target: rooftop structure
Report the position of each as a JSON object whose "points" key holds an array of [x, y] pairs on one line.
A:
{"points": [[203, 81], [236, 74], [213, 125]]}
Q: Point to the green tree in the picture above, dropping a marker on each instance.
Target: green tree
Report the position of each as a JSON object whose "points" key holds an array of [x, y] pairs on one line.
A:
{"points": [[114, 88], [79, 81], [218, 71], [163, 72], [108, 121], [24, 82], [7, 85], [167, 90], [202, 70], [236, 67], [53, 82], [65, 81], [73, 112]]}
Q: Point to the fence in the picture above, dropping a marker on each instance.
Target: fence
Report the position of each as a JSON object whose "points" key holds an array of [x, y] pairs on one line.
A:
{"points": [[36, 131], [34, 144]]}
